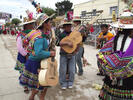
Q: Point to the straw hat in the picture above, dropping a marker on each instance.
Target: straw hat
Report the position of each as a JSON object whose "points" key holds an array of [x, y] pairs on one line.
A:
{"points": [[27, 22], [41, 18], [65, 22], [76, 18], [29, 19], [125, 21]]}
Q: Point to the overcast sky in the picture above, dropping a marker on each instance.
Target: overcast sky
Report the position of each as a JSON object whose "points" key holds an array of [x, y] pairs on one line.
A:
{"points": [[18, 7]]}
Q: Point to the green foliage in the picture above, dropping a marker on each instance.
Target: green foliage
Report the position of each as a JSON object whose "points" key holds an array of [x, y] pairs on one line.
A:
{"points": [[129, 4], [15, 21], [126, 1], [7, 24], [48, 11], [63, 6]]}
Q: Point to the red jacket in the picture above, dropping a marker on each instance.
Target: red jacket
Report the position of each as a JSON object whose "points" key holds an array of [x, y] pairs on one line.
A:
{"points": [[5, 32], [12, 32]]}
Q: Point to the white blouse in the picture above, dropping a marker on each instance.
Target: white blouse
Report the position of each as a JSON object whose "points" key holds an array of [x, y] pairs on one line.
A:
{"points": [[119, 43]]}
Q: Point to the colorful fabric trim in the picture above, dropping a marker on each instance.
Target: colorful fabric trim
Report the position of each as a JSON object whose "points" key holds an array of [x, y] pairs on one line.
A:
{"points": [[107, 48], [108, 93], [29, 40], [30, 80], [116, 67], [19, 66], [21, 34], [29, 77]]}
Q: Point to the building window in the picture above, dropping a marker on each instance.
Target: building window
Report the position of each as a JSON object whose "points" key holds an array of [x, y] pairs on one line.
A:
{"points": [[83, 13], [114, 8], [94, 12]]}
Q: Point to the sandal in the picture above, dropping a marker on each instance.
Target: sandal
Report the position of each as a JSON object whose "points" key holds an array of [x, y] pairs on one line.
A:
{"points": [[31, 98], [26, 90]]}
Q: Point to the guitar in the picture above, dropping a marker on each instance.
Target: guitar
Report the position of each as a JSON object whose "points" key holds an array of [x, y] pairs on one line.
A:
{"points": [[48, 75], [75, 38]]}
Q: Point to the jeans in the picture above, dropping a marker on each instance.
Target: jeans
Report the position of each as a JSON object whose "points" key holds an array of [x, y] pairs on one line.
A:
{"points": [[66, 64], [78, 59]]}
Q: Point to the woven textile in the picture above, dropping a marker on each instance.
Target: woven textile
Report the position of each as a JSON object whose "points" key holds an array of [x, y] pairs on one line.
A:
{"points": [[116, 64], [108, 93]]}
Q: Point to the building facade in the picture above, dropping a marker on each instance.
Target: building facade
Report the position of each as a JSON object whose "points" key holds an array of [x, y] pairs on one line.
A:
{"points": [[5, 16], [108, 6]]}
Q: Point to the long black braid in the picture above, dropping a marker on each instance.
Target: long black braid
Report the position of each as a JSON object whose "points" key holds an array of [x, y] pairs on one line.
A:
{"points": [[126, 33], [115, 40]]}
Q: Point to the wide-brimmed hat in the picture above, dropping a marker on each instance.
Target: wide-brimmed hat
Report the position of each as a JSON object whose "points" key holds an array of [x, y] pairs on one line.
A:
{"points": [[125, 21], [76, 18], [65, 22], [27, 22], [29, 19], [41, 18]]}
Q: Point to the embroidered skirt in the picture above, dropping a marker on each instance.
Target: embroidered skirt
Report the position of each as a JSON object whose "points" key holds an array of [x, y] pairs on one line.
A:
{"points": [[29, 77], [21, 60], [116, 92]]}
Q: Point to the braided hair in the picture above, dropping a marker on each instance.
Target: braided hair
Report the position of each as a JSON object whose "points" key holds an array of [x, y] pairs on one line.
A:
{"points": [[126, 33]]}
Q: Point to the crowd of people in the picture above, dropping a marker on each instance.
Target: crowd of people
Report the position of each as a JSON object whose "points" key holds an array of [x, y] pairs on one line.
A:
{"points": [[6, 31], [34, 44], [114, 58]]}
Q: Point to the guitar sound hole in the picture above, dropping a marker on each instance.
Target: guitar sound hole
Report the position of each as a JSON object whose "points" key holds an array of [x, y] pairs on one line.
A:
{"points": [[52, 78]]}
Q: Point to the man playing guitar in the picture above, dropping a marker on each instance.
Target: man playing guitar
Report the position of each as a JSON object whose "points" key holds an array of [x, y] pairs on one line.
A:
{"points": [[103, 37], [67, 60]]}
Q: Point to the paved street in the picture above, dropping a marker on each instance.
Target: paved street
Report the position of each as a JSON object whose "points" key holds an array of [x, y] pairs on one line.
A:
{"points": [[11, 90]]}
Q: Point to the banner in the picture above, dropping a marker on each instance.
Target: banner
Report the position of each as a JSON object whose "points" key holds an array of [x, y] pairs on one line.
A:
{"points": [[113, 16]]}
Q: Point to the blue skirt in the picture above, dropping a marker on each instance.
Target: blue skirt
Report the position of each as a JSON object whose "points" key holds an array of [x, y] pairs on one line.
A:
{"points": [[21, 60], [29, 77]]}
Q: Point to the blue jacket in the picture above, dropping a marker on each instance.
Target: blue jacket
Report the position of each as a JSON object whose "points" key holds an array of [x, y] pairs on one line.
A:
{"points": [[40, 49]]}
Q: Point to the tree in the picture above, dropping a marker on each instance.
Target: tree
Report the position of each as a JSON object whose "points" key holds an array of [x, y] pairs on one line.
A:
{"points": [[48, 11], [129, 5], [63, 6], [126, 1], [15, 21]]}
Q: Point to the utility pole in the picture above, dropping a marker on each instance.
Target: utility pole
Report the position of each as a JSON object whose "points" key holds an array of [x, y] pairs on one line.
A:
{"points": [[118, 8]]}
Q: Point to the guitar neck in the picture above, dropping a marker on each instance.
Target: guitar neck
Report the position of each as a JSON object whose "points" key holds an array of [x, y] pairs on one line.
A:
{"points": [[81, 29], [53, 59], [52, 47]]}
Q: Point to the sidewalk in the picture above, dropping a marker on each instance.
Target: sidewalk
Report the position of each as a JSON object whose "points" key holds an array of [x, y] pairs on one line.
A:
{"points": [[11, 90], [9, 86]]}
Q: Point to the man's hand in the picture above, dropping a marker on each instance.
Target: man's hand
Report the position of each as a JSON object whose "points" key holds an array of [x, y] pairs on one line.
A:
{"points": [[52, 53], [102, 38], [70, 44]]}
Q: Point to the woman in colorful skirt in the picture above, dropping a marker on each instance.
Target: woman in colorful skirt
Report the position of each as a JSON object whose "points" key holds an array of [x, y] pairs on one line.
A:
{"points": [[29, 78], [116, 60], [22, 53]]}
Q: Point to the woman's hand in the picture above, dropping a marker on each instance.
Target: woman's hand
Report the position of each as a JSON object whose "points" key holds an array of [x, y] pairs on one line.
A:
{"points": [[38, 70]]}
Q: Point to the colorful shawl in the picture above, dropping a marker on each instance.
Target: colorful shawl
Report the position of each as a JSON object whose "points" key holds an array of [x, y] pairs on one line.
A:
{"points": [[30, 38], [116, 64]]}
